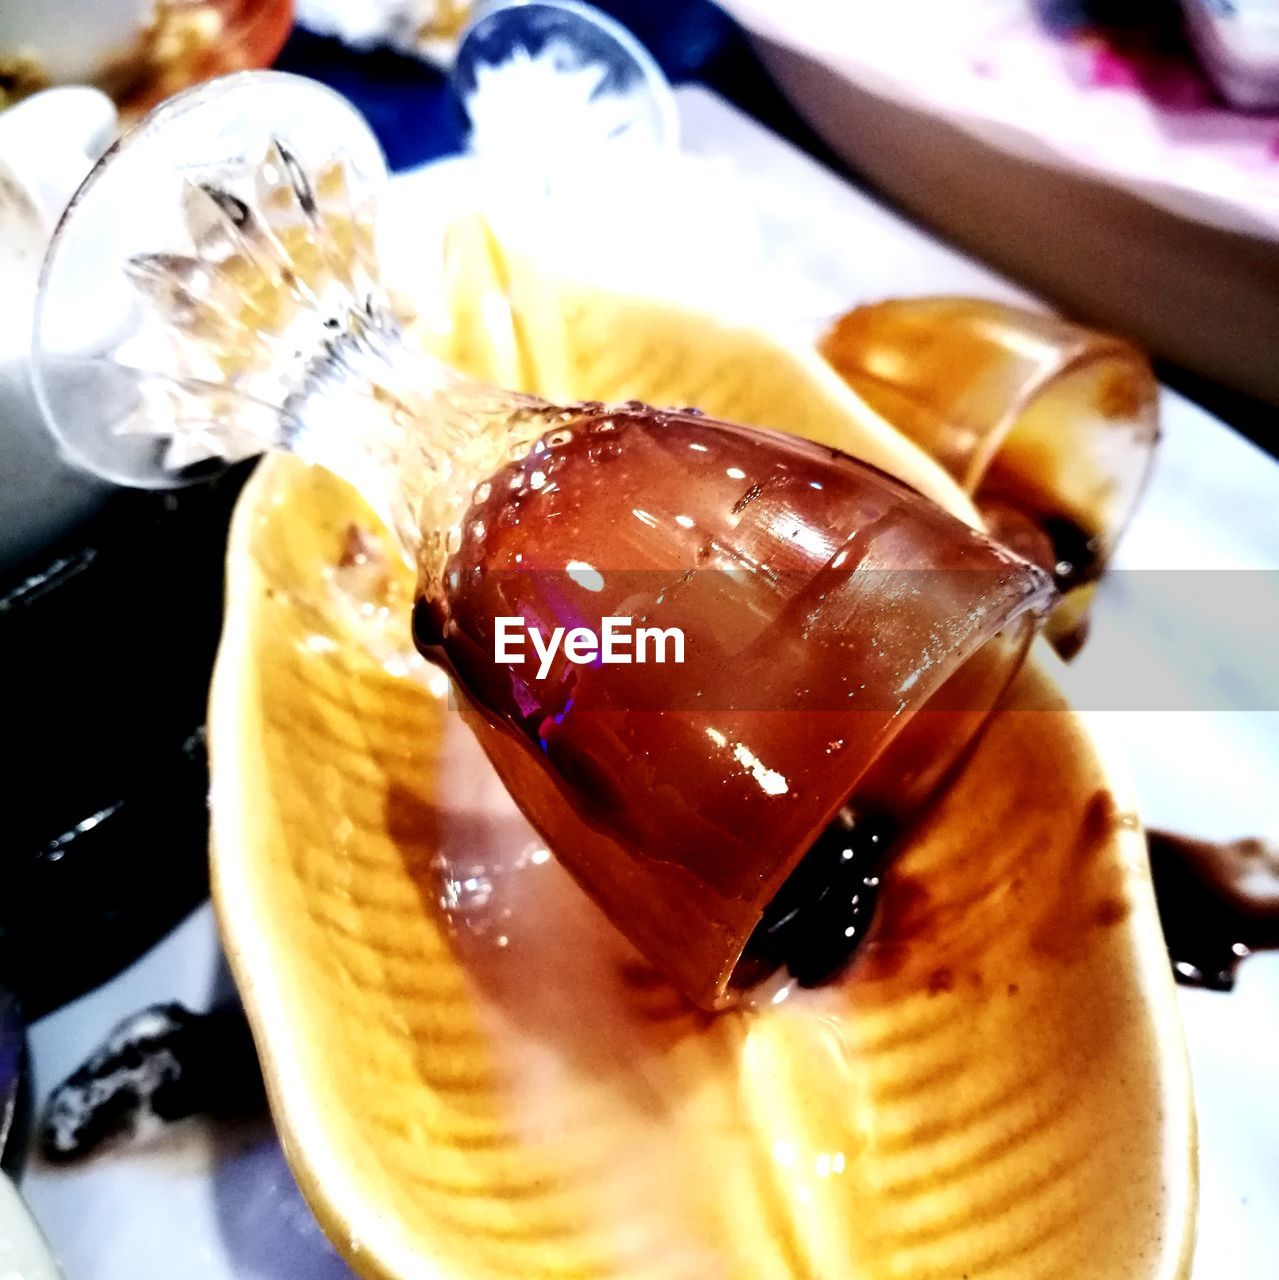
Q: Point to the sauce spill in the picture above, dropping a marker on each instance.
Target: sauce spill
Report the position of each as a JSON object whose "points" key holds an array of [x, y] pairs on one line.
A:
{"points": [[824, 909], [1219, 902], [158, 1066]]}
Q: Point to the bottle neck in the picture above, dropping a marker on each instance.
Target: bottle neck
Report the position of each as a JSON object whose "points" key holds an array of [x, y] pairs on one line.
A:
{"points": [[275, 332], [413, 436]]}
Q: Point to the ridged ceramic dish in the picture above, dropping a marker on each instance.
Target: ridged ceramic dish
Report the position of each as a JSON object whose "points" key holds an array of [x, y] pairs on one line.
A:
{"points": [[475, 1078]]}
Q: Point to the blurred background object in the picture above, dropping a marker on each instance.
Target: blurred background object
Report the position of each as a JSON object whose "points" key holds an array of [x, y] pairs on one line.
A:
{"points": [[429, 27], [138, 51], [23, 1252], [47, 144], [108, 644], [1238, 44], [1076, 146], [551, 87], [106, 851], [14, 1102]]}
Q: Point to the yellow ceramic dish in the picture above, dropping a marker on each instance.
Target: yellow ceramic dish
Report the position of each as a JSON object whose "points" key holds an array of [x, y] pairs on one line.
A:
{"points": [[475, 1078]]}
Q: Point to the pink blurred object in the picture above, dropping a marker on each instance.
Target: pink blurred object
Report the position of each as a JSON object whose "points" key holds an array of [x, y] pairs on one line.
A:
{"points": [[1097, 165], [1238, 43], [1051, 91]]}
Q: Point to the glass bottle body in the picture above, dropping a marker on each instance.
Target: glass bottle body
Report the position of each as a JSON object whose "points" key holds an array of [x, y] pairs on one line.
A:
{"points": [[841, 643]]}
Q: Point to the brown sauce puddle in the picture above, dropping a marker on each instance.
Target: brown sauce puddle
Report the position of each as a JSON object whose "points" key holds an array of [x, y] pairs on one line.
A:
{"points": [[1219, 903]]}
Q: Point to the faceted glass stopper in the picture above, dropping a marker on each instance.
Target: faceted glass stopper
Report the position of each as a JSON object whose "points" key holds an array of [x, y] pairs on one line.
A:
{"points": [[175, 294], [549, 83]]}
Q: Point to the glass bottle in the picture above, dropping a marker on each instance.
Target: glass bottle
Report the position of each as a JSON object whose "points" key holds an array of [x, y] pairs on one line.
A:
{"points": [[843, 638]]}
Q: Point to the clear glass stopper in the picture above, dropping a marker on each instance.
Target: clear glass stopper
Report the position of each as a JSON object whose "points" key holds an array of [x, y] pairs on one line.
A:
{"points": [[197, 274]]}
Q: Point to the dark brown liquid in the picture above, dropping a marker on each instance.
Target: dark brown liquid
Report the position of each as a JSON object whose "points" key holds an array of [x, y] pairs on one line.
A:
{"points": [[1219, 902], [1055, 543], [682, 795], [1059, 546], [822, 914]]}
